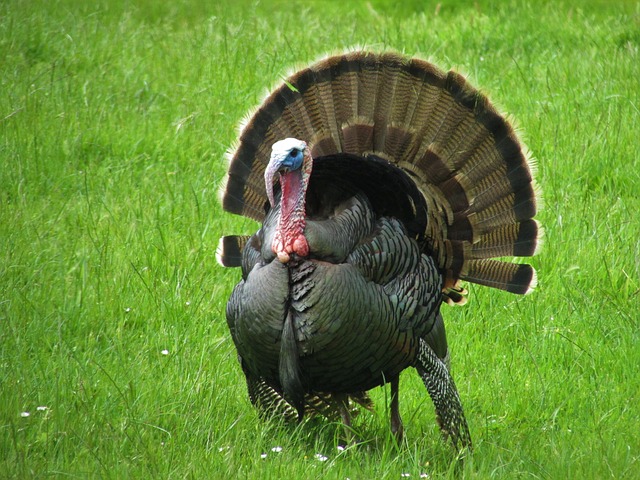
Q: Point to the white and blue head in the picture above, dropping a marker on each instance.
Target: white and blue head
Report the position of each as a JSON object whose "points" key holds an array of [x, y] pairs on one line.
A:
{"points": [[286, 156]]}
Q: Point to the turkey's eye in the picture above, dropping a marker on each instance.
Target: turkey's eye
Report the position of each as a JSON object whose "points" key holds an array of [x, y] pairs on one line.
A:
{"points": [[294, 159]]}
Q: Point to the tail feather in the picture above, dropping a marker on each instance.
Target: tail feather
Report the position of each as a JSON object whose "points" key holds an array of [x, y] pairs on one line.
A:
{"points": [[514, 240], [357, 135], [229, 251], [503, 211], [512, 277], [463, 155]]}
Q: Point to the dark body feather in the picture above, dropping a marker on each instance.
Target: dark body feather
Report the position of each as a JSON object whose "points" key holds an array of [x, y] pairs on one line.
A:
{"points": [[417, 183]]}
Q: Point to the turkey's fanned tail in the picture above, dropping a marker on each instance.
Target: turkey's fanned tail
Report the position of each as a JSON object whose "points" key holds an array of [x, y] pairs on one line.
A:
{"points": [[462, 154]]}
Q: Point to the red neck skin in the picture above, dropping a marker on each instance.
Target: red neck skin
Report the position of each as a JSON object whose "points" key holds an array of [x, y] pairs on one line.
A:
{"points": [[289, 237]]}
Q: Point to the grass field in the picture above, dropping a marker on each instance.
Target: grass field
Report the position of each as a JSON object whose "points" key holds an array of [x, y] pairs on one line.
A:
{"points": [[115, 359]]}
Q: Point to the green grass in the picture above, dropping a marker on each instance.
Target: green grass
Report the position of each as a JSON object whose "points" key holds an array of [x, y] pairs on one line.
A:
{"points": [[114, 118]]}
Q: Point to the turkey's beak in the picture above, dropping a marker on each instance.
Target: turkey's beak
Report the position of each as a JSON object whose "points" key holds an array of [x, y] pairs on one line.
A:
{"points": [[269, 174]]}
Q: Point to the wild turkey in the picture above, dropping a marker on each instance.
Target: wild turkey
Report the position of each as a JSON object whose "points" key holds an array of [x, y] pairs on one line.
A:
{"points": [[394, 181]]}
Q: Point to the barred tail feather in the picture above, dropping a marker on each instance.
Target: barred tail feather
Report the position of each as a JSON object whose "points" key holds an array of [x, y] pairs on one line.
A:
{"points": [[229, 251], [512, 277]]}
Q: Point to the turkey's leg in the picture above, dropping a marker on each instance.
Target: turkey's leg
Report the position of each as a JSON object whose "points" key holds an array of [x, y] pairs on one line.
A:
{"points": [[396, 422], [345, 415], [444, 394]]}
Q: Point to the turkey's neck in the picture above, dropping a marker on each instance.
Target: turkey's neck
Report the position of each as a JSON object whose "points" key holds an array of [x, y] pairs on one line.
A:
{"points": [[290, 237]]}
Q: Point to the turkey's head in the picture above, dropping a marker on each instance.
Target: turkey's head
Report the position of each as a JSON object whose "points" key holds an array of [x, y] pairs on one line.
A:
{"points": [[291, 159]]}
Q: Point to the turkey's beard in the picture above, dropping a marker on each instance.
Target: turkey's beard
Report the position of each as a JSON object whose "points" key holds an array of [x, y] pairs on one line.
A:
{"points": [[289, 237]]}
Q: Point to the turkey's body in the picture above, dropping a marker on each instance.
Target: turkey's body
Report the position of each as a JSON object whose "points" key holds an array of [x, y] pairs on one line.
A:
{"points": [[416, 184], [356, 321]]}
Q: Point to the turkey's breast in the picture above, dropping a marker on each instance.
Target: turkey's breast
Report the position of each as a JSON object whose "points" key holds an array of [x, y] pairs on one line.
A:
{"points": [[358, 309]]}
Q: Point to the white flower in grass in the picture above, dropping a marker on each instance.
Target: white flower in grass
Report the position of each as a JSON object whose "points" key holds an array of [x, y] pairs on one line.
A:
{"points": [[276, 449], [165, 352], [424, 475], [405, 475], [263, 455], [321, 458], [187, 303], [42, 408], [340, 448], [25, 414], [127, 310]]}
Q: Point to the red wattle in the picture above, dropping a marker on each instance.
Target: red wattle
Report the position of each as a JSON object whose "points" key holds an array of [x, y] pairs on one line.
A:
{"points": [[289, 236]]}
